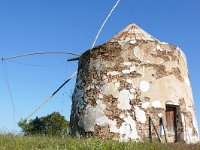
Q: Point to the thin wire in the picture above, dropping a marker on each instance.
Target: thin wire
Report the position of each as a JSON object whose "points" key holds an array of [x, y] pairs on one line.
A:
{"points": [[50, 97], [14, 110], [35, 65], [132, 11], [104, 23], [87, 38]]}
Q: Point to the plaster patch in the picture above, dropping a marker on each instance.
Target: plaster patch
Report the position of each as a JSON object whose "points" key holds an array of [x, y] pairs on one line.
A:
{"points": [[190, 137], [160, 115], [126, 71], [100, 96], [110, 88], [113, 126], [156, 104], [183, 55], [144, 86], [127, 63], [117, 84], [159, 48], [90, 117], [163, 43], [133, 41], [187, 81], [172, 102], [194, 121], [132, 68], [128, 130], [137, 53], [121, 116], [132, 91], [145, 105], [113, 73], [124, 100], [102, 121], [140, 115]]}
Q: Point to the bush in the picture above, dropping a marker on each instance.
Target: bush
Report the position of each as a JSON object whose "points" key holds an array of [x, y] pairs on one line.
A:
{"points": [[53, 124]]}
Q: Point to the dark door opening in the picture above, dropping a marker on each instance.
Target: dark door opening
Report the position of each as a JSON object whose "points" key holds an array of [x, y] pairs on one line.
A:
{"points": [[171, 122]]}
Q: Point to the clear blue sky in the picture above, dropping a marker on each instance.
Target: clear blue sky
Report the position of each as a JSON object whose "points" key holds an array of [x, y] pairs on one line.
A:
{"points": [[71, 25]]}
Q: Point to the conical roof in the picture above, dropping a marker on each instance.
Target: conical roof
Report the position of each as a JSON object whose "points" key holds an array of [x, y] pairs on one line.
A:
{"points": [[132, 33]]}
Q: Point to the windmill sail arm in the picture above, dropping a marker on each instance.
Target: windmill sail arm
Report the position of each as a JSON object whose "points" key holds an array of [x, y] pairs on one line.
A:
{"points": [[39, 53]]}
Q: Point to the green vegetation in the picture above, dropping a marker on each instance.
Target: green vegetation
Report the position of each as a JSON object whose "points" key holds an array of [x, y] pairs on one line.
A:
{"points": [[11, 142], [48, 133], [52, 125]]}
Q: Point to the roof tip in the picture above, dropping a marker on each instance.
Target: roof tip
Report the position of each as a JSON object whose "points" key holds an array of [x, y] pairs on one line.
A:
{"points": [[132, 33]]}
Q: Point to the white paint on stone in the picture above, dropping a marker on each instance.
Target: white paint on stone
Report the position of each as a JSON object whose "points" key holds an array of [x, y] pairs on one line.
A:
{"points": [[137, 53], [133, 41], [102, 121], [117, 84], [156, 104], [175, 102], [187, 81], [121, 115], [132, 90], [183, 55], [194, 121], [113, 126], [144, 86], [160, 115], [190, 138], [91, 115], [127, 63], [163, 43], [128, 130], [126, 71], [145, 105], [132, 68], [110, 88], [124, 100], [140, 115], [159, 48], [113, 73], [100, 96]]}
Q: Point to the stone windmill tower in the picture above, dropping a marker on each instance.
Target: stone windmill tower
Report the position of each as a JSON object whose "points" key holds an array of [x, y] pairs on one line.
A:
{"points": [[134, 87]]}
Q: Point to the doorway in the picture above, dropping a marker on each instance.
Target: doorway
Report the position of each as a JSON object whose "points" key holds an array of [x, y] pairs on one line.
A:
{"points": [[171, 122]]}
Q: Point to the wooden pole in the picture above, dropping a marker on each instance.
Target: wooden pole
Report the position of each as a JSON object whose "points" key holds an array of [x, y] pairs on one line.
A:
{"points": [[159, 138], [49, 98], [164, 130], [150, 134]]}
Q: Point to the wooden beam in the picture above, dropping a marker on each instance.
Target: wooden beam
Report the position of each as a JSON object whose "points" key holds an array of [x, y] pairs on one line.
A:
{"points": [[73, 59]]}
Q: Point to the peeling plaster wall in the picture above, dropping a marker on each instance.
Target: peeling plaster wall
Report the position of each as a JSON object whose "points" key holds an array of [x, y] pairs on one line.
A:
{"points": [[119, 85]]}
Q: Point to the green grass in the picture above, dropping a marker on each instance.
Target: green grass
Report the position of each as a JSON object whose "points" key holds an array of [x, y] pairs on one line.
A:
{"points": [[12, 142]]}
